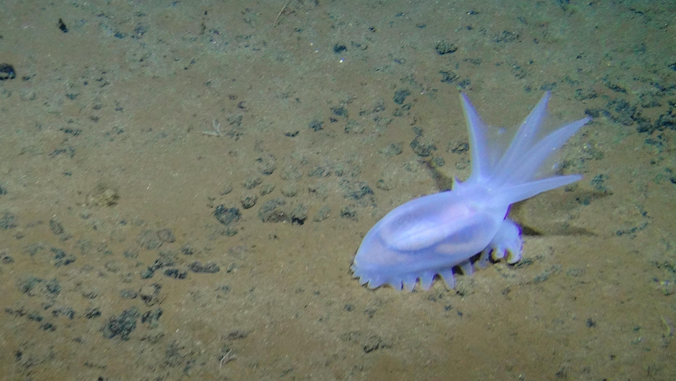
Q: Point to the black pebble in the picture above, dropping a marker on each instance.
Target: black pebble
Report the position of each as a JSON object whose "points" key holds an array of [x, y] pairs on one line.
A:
{"points": [[339, 111], [53, 287], [49, 327], [7, 221], [63, 26], [7, 72], [152, 318], [208, 267], [56, 227], [445, 47], [176, 273], [421, 149], [187, 250], [400, 96], [339, 48], [121, 325], [61, 258], [226, 216], [316, 125], [92, 313], [349, 213]]}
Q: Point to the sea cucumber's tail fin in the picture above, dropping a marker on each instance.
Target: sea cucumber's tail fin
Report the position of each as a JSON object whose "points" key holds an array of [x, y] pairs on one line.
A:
{"points": [[478, 142], [520, 192], [522, 166], [531, 161], [488, 158], [523, 139]]}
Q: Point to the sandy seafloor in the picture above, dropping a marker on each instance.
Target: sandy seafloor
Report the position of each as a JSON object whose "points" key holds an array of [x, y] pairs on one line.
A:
{"points": [[183, 186]]}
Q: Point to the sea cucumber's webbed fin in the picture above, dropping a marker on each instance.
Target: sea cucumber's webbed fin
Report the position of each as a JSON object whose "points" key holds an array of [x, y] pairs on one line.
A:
{"points": [[478, 142], [524, 138]]}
